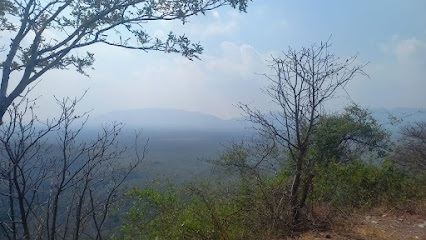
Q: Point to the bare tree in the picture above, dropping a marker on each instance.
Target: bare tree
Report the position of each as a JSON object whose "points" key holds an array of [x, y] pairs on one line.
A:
{"points": [[64, 189], [302, 82], [47, 33], [410, 152]]}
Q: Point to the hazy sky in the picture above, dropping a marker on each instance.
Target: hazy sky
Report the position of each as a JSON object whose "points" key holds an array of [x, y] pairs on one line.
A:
{"points": [[390, 35]]}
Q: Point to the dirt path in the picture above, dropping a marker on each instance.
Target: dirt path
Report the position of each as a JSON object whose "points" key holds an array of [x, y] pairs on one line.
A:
{"points": [[374, 226]]}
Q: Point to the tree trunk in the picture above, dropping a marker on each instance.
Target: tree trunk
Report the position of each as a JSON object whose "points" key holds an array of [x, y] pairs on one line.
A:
{"points": [[12, 208], [305, 191], [295, 189], [3, 108]]}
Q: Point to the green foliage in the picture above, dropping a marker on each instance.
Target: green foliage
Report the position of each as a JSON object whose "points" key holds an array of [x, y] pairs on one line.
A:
{"points": [[234, 210], [6, 7], [77, 24], [234, 160], [197, 212], [151, 213], [212, 214], [258, 208], [353, 134], [343, 160], [361, 185]]}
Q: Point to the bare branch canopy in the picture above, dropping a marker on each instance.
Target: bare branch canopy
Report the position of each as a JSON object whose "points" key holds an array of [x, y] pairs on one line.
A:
{"points": [[302, 81]]}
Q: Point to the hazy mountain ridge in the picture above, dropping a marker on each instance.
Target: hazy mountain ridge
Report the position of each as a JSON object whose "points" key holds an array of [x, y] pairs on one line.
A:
{"points": [[402, 114], [166, 119], [395, 118], [169, 119]]}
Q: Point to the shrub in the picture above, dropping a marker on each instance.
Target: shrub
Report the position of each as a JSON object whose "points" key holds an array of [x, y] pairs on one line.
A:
{"points": [[360, 185]]}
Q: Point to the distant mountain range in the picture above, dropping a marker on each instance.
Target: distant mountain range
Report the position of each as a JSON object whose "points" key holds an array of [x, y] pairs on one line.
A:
{"points": [[403, 114], [169, 119], [181, 119], [395, 118]]}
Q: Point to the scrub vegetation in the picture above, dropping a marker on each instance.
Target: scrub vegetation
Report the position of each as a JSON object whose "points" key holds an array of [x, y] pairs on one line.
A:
{"points": [[301, 168]]}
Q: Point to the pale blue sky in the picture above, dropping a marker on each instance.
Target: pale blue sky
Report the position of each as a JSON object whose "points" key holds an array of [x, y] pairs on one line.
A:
{"points": [[390, 35]]}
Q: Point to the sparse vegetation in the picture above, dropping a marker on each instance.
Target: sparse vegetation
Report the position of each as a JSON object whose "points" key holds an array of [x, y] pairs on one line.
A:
{"points": [[305, 173], [254, 202], [341, 162]]}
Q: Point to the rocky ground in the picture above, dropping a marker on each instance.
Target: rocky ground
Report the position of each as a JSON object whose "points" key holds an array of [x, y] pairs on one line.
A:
{"points": [[377, 224]]}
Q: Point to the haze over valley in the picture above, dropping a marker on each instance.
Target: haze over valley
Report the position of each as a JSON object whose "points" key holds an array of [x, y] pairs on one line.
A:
{"points": [[181, 142], [212, 119]]}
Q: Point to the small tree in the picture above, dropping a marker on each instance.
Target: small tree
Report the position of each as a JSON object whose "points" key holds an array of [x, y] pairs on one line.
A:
{"points": [[303, 81], [353, 134], [62, 190], [262, 189], [55, 29], [345, 140]]}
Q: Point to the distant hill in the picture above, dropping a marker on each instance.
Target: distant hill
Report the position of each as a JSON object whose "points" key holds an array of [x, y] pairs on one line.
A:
{"points": [[395, 118], [189, 120], [403, 114], [169, 119]]}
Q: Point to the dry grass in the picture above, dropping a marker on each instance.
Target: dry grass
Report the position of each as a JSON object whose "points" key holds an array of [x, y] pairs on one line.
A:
{"points": [[406, 222]]}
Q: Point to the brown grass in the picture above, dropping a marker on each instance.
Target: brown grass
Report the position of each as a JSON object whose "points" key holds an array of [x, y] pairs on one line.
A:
{"points": [[382, 223]]}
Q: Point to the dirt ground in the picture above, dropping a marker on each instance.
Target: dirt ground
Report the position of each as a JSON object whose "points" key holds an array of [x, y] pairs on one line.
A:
{"points": [[377, 224]]}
